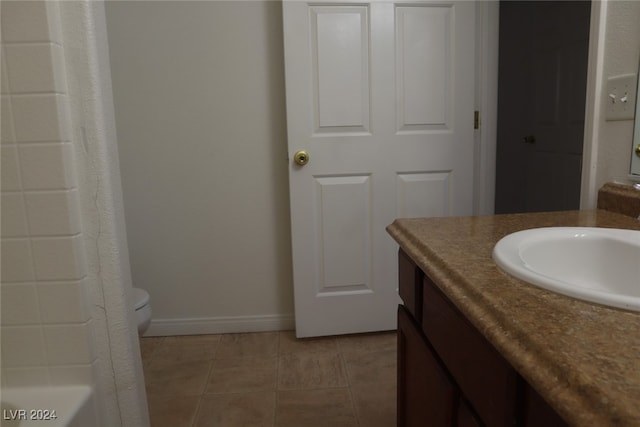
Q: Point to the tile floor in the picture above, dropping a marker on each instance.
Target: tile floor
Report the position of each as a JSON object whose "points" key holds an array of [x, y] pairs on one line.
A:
{"points": [[271, 379]]}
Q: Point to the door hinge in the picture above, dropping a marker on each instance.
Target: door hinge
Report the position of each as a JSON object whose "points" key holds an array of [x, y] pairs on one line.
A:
{"points": [[476, 119]]}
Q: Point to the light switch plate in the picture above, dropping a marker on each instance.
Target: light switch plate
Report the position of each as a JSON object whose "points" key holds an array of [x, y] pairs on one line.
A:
{"points": [[621, 97]]}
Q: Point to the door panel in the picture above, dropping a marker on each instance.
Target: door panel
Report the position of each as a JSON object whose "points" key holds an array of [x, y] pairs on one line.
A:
{"points": [[387, 119], [423, 47], [340, 43], [547, 97], [343, 225], [423, 194]]}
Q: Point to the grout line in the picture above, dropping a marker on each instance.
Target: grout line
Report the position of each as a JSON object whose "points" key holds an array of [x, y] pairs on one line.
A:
{"points": [[41, 323], [25, 94], [346, 371], [44, 142], [43, 42], [197, 411], [277, 381]]}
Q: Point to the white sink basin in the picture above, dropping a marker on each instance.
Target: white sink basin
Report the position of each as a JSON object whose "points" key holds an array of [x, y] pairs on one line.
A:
{"points": [[600, 265]]}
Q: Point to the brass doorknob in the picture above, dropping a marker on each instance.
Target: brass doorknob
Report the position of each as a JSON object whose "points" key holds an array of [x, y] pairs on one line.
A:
{"points": [[301, 157], [637, 150]]}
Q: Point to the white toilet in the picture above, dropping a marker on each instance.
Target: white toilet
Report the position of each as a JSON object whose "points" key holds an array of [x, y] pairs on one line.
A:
{"points": [[143, 309]]}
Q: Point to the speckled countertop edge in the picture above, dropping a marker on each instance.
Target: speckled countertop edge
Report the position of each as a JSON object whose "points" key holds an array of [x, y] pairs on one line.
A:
{"points": [[584, 359]]}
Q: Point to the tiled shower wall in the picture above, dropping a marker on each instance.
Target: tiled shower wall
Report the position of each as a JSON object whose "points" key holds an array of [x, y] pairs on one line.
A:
{"points": [[46, 326]]}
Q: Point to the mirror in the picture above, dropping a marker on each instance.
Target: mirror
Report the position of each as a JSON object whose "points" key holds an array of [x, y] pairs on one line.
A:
{"points": [[635, 147]]}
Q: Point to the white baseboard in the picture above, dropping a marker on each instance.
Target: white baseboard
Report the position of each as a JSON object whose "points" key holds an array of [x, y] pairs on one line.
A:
{"points": [[220, 325]]}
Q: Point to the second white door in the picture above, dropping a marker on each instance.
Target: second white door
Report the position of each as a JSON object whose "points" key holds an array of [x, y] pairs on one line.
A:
{"points": [[380, 95]]}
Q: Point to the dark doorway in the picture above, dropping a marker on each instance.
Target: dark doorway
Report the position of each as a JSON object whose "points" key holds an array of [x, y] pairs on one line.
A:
{"points": [[543, 56]]}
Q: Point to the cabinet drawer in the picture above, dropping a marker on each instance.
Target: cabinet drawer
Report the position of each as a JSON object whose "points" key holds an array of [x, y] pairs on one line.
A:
{"points": [[485, 379], [410, 285]]}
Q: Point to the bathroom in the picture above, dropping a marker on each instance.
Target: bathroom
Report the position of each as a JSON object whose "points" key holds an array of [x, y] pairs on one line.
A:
{"points": [[69, 322]]}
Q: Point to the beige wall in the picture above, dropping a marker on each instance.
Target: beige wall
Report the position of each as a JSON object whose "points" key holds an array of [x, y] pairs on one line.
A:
{"points": [[200, 114], [621, 56], [199, 95]]}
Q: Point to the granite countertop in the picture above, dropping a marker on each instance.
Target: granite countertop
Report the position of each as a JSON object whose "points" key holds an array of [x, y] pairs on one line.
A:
{"points": [[582, 357]]}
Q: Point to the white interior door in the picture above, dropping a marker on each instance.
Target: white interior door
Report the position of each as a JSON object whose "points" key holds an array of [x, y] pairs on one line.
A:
{"points": [[380, 95]]}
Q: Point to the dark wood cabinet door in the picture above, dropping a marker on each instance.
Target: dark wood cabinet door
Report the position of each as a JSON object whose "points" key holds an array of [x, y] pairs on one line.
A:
{"points": [[484, 378], [410, 285], [537, 412], [448, 373], [466, 417], [426, 396]]}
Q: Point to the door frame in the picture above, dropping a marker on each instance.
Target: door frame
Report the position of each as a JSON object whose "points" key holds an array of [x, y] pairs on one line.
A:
{"points": [[486, 102], [593, 107], [488, 18]]}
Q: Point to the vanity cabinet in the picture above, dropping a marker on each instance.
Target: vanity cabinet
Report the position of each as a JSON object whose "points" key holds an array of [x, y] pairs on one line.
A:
{"points": [[448, 373]]}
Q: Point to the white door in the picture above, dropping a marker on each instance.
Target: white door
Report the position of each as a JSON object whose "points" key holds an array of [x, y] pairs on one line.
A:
{"points": [[380, 95]]}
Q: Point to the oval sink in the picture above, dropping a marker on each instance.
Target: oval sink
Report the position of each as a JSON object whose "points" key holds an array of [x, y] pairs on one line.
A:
{"points": [[600, 265]]}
